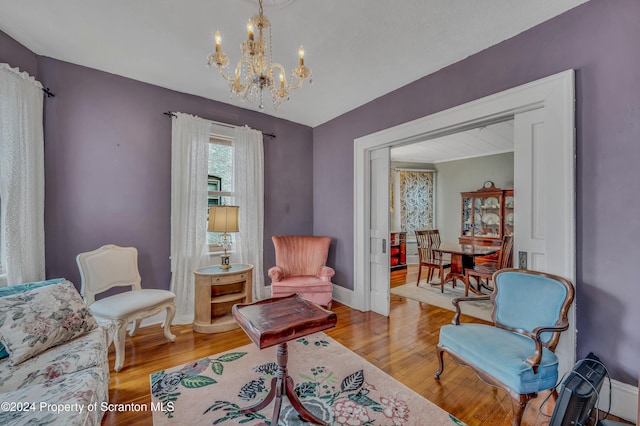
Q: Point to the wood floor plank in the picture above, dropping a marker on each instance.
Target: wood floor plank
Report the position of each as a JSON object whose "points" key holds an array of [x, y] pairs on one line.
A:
{"points": [[402, 345]]}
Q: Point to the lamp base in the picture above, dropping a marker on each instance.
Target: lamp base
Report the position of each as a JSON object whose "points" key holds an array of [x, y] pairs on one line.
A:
{"points": [[224, 262]]}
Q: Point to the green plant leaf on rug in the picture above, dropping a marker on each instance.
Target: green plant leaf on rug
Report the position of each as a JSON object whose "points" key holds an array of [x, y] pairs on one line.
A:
{"points": [[353, 381], [216, 364], [197, 382]]}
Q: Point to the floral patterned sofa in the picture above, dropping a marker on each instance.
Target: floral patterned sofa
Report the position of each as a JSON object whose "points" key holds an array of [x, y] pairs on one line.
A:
{"points": [[53, 357]]}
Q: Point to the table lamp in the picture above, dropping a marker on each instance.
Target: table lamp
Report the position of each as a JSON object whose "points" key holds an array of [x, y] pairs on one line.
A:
{"points": [[223, 219]]}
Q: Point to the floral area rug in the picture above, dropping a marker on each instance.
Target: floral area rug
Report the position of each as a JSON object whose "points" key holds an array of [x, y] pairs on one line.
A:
{"points": [[431, 295], [332, 382]]}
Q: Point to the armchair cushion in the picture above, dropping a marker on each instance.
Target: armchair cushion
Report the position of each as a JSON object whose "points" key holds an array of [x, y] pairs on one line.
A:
{"points": [[477, 344], [301, 284]]}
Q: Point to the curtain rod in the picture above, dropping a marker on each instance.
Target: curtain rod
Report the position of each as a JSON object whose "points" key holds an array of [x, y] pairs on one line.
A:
{"points": [[49, 93], [171, 114], [406, 169]]}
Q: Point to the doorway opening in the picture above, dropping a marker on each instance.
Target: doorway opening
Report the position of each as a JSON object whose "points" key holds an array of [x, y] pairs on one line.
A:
{"points": [[544, 110]]}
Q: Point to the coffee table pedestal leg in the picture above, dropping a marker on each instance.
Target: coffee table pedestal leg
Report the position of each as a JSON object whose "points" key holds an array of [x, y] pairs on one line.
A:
{"points": [[282, 385]]}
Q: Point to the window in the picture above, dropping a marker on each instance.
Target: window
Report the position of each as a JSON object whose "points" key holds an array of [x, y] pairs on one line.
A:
{"points": [[219, 182], [417, 196]]}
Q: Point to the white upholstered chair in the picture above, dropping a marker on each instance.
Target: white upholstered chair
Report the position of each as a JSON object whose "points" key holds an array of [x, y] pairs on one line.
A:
{"points": [[113, 266]]}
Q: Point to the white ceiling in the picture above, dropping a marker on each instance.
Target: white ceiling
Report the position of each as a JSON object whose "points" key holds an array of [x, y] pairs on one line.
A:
{"points": [[358, 49], [487, 140]]}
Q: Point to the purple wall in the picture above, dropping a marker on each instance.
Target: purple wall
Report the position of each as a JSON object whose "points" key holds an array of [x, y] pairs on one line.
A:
{"points": [[599, 41], [108, 164], [17, 56], [107, 161]]}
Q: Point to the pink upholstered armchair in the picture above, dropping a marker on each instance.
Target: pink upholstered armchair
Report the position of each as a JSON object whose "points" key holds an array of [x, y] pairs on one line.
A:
{"points": [[300, 268]]}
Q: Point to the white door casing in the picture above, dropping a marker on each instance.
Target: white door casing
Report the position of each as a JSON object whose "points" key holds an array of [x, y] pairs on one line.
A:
{"points": [[379, 230], [540, 184], [554, 97]]}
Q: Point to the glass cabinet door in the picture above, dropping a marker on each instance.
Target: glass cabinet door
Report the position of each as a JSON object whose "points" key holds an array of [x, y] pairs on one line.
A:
{"points": [[508, 212], [488, 212]]}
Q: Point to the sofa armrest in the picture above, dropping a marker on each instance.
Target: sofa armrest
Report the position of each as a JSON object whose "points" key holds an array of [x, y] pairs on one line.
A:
{"points": [[276, 273], [325, 273]]}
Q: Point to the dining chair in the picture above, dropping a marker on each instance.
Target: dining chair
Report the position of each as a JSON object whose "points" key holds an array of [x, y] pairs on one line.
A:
{"points": [[113, 266], [486, 270], [516, 353], [429, 256]]}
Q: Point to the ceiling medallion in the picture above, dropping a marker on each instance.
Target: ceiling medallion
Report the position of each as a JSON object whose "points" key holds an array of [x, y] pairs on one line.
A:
{"points": [[256, 71]]}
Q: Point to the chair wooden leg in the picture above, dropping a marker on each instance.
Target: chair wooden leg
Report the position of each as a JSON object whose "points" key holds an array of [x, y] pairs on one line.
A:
{"points": [[118, 342], [440, 363], [171, 312], [518, 404], [419, 273]]}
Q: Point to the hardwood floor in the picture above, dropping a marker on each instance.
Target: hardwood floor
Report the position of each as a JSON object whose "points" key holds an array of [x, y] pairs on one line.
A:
{"points": [[402, 345]]}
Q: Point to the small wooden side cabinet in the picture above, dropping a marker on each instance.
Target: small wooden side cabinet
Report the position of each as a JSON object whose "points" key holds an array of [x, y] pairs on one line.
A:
{"points": [[398, 251], [217, 290]]}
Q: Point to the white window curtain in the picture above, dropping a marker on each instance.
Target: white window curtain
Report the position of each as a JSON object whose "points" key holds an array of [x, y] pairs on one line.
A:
{"points": [[248, 176], [21, 176], [189, 160]]}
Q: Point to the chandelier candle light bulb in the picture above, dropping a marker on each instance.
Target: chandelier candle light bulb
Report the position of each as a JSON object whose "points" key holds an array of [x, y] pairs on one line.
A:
{"points": [[256, 72], [250, 29]]}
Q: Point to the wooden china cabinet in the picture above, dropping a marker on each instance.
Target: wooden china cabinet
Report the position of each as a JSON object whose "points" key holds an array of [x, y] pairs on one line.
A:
{"points": [[487, 215]]}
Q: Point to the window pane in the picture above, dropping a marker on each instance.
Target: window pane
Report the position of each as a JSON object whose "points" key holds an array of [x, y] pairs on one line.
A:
{"points": [[220, 166], [220, 180]]}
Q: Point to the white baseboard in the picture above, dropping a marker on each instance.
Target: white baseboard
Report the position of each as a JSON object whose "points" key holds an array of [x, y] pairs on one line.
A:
{"points": [[343, 295], [624, 400]]}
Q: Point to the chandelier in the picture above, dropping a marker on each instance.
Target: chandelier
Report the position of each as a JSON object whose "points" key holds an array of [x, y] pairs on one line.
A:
{"points": [[256, 71]]}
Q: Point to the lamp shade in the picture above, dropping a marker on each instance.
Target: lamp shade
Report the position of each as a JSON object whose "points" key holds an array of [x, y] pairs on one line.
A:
{"points": [[223, 219]]}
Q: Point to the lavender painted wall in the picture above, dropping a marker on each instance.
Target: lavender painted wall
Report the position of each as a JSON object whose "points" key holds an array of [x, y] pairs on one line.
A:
{"points": [[16, 55], [108, 160], [598, 40]]}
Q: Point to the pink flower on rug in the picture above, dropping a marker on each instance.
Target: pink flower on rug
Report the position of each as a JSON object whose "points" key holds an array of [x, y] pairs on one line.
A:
{"points": [[347, 412], [395, 409]]}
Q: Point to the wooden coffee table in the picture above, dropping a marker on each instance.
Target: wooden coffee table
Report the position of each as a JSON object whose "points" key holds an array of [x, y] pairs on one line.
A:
{"points": [[276, 321]]}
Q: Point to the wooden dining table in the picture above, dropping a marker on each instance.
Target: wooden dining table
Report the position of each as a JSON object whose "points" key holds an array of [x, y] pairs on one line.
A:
{"points": [[463, 257]]}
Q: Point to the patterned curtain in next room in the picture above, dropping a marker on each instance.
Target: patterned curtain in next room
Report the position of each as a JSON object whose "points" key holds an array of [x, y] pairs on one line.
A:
{"points": [[416, 200]]}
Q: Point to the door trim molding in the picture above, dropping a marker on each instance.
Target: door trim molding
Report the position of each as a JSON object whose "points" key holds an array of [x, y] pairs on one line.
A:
{"points": [[554, 93]]}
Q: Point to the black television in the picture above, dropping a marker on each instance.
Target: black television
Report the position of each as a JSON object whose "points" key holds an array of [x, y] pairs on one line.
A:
{"points": [[578, 394]]}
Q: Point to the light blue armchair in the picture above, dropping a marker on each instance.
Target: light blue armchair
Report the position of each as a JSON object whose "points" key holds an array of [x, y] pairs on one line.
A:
{"points": [[517, 353]]}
